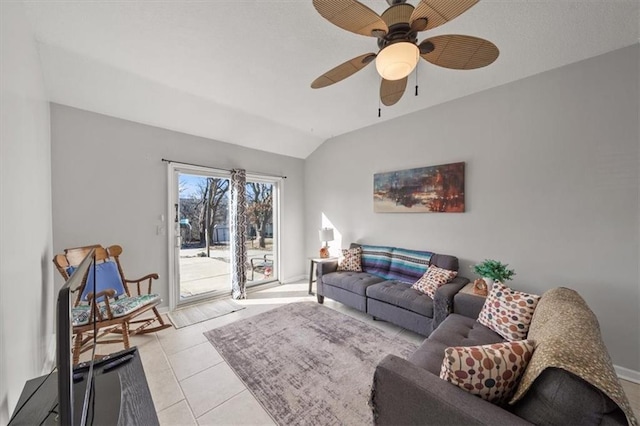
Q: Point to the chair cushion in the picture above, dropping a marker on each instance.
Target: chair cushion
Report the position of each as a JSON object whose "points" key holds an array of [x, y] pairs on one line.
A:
{"points": [[108, 278], [408, 265], [119, 307], [402, 295], [355, 282]]}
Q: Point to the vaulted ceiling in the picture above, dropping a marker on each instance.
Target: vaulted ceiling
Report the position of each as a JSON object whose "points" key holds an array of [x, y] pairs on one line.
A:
{"points": [[239, 71]]}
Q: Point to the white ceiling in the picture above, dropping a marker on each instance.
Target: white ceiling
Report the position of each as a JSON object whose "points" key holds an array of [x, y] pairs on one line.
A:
{"points": [[239, 71]]}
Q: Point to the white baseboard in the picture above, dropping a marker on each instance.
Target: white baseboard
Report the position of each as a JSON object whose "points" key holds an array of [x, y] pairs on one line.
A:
{"points": [[295, 278], [627, 374]]}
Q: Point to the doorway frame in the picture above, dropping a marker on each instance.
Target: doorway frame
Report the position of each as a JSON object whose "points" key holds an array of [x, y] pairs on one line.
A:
{"points": [[277, 183], [173, 237]]}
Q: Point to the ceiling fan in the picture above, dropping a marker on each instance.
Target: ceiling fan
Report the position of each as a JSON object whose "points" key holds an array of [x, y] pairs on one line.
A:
{"points": [[397, 33]]}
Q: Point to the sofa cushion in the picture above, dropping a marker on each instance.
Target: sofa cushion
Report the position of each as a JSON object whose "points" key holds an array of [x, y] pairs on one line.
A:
{"points": [[408, 265], [351, 260], [355, 282], [508, 312], [402, 295], [444, 261], [456, 330], [488, 371], [376, 259], [552, 400], [433, 279]]}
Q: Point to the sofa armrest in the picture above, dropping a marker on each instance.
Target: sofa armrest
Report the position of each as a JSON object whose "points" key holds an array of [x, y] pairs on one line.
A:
{"points": [[443, 299], [405, 394], [468, 305], [322, 269]]}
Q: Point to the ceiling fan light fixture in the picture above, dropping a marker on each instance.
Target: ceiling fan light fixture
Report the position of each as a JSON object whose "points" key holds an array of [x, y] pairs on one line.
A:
{"points": [[397, 60]]}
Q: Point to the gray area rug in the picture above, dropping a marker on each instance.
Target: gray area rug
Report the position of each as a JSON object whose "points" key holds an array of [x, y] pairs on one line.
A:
{"points": [[308, 364], [205, 311]]}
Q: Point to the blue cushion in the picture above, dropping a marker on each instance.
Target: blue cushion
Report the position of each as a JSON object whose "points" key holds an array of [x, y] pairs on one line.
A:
{"points": [[108, 278]]}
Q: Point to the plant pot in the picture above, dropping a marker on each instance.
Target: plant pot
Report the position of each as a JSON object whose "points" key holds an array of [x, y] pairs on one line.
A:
{"points": [[489, 282]]}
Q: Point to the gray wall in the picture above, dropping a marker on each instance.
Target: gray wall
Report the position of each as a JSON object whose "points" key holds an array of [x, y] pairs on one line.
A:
{"points": [[110, 187], [26, 271], [551, 185]]}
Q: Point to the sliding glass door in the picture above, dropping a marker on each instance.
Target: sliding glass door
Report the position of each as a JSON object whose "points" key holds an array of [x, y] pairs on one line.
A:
{"points": [[199, 251], [261, 241], [203, 253]]}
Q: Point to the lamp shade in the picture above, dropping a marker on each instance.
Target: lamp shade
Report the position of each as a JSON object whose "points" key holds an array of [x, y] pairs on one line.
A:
{"points": [[326, 234], [397, 60]]}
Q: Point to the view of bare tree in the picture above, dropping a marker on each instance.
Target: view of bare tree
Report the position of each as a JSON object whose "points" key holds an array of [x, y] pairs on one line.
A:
{"points": [[204, 211], [260, 208], [212, 196]]}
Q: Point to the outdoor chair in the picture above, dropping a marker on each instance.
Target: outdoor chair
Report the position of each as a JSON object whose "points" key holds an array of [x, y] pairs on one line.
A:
{"points": [[119, 302], [261, 264]]}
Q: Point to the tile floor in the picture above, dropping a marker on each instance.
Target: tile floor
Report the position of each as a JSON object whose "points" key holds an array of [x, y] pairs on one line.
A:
{"points": [[192, 385]]}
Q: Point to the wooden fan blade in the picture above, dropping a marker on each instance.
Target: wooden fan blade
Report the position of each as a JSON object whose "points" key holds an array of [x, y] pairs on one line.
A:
{"points": [[343, 71], [461, 52], [397, 14], [438, 12], [353, 16], [392, 90]]}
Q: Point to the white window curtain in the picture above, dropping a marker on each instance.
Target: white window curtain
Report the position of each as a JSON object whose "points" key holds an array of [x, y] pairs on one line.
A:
{"points": [[238, 222]]}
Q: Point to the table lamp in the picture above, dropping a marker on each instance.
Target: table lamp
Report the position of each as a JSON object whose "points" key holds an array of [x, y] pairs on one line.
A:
{"points": [[326, 235]]}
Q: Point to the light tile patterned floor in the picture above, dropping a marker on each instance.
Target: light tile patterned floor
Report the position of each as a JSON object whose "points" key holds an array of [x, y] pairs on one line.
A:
{"points": [[191, 383]]}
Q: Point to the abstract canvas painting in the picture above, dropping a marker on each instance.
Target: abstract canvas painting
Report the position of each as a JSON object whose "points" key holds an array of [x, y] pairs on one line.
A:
{"points": [[425, 189]]}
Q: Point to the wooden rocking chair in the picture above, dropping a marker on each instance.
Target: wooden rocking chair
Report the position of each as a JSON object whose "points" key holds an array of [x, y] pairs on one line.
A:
{"points": [[118, 309]]}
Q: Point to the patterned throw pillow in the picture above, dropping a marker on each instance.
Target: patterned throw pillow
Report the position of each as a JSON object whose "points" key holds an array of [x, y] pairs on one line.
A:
{"points": [[490, 371], [351, 260], [433, 279], [508, 312]]}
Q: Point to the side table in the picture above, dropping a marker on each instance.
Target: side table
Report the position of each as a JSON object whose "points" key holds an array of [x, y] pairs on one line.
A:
{"points": [[468, 289], [314, 261]]}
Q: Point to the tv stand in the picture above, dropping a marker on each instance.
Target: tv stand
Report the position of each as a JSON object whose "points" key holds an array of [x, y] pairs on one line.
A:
{"points": [[134, 405]]}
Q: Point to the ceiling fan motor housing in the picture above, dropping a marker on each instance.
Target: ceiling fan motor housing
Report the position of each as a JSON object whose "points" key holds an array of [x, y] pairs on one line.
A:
{"points": [[397, 18]]}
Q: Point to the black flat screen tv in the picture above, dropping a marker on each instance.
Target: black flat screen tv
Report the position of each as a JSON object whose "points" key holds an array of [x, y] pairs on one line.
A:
{"points": [[67, 401]]}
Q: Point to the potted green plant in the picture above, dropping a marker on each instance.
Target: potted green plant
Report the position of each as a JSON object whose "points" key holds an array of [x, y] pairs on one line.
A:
{"points": [[493, 270]]}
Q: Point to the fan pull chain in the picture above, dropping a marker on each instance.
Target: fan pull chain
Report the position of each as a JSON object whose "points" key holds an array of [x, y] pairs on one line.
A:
{"points": [[416, 81], [379, 109]]}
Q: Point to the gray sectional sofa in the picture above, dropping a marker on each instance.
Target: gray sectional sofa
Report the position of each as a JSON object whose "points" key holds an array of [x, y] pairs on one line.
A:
{"points": [[410, 392], [383, 288]]}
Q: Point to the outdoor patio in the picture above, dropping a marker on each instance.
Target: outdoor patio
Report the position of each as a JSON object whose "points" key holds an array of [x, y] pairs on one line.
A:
{"points": [[200, 274]]}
